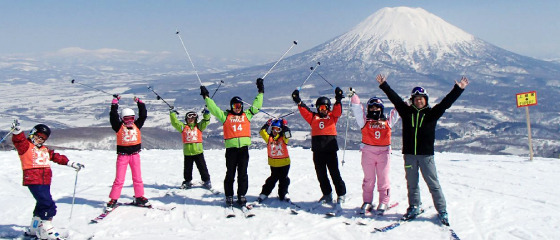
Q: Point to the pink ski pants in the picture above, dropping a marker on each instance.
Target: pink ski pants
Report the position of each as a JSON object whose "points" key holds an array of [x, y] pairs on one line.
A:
{"points": [[376, 164], [123, 161]]}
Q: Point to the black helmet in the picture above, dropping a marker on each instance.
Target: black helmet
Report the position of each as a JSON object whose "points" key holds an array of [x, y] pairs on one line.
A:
{"points": [[323, 101], [377, 102], [42, 129], [235, 100], [191, 114]]}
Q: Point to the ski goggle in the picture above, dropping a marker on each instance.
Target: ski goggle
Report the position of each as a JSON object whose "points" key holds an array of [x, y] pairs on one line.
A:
{"points": [[418, 91], [192, 115], [128, 119], [276, 129], [236, 105], [322, 107]]}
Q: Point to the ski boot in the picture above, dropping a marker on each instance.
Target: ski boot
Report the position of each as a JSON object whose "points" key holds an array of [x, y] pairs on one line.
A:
{"points": [[111, 205], [33, 230], [242, 201], [207, 185], [411, 213], [186, 185], [381, 209], [285, 198], [47, 231], [366, 208], [326, 198], [261, 198], [229, 201], [443, 218], [141, 202]]}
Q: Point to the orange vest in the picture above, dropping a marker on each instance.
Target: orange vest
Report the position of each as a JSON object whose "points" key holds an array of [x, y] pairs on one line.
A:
{"points": [[376, 133], [323, 126], [237, 126], [35, 157], [191, 135], [129, 137], [277, 149]]}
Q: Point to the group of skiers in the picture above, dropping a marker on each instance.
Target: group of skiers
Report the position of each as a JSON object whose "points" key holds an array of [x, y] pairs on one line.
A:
{"points": [[418, 130]]}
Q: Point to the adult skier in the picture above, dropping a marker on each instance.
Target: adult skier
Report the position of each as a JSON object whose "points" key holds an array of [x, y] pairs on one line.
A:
{"points": [[129, 145], [376, 150], [237, 138], [418, 135], [276, 134], [37, 176], [191, 135], [323, 142]]}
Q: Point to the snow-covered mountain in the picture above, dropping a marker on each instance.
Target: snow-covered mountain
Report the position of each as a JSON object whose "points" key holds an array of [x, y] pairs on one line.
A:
{"points": [[410, 45]]}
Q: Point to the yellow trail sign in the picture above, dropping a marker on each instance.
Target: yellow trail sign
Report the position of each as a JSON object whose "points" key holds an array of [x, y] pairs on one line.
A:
{"points": [[526, 99]]}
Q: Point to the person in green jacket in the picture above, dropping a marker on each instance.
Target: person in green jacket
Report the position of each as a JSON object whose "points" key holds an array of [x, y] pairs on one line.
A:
{"points": [[191, 135], [237, 138]]}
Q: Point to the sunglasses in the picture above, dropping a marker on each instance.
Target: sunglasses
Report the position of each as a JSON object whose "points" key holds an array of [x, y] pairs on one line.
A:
{"points": [[236, 105], [322, 107], [192, 115], [418, 91], [276, 129]]}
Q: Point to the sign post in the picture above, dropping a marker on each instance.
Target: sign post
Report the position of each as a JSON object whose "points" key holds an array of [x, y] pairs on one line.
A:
{"points": [[527, 99]]}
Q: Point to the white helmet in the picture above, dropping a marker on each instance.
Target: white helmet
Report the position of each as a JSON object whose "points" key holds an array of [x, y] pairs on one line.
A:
{"points": [[127, 112]]}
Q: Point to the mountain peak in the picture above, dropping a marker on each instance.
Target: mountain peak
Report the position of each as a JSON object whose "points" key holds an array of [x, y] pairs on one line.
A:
{"points": [[412, 27]]}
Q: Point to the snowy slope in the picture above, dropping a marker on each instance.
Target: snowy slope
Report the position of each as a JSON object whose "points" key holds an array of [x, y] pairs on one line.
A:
{"points": [[489, 197]]}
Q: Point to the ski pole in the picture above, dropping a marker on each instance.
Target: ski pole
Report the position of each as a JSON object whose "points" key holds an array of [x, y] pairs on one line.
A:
{"points": [[74, 195], [189, 56], [285, 115], [269, 70], [347, 117], [221, 81], [7, 134], [160, 98], [311, 73], [325, 80], [260, 110], [89, 86]]}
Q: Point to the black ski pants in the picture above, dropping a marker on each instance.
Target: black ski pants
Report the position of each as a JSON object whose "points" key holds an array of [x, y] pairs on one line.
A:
{"points": [[277, 174], [237, 159], [328, 161], [200, 164]]}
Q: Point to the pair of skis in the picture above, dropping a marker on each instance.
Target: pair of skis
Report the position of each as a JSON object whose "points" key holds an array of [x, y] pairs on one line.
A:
{"points": [[400, 222], [230, 211], [370, 214], [105, 212]]}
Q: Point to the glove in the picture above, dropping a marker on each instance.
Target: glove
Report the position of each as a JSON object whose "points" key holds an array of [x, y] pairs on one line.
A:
{"points": [[269, 122], [205, 111], [75, 165], [137, 100], [116, 99], [284, 122], [295, 96], [204, 92], [260, 85], [339, 95], [16, 128], [173, 110], [286, 131], [351, 92]]}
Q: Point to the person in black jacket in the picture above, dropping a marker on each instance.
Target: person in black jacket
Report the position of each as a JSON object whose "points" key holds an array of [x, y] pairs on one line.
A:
{"points": [[418, 136], [129, 144]]}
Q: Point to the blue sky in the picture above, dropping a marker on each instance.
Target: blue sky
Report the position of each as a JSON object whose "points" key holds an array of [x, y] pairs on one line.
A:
{"points": [[223, 28]]}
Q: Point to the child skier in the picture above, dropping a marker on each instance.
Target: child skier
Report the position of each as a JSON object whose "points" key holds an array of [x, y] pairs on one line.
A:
{"points": [[376, 150], [37, 176], [191, 133], [129, 144], [237, 138], [323, 142], [276, 134]]}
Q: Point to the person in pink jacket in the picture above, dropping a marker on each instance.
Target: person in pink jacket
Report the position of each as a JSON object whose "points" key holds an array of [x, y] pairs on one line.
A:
{"points": [[376, 149]]}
